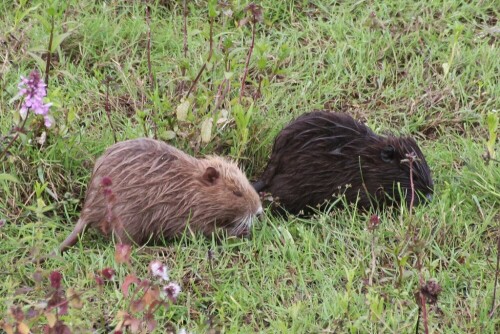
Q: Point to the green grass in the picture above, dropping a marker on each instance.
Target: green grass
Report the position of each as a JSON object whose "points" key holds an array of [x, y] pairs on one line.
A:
{"points": [[383, 62]]}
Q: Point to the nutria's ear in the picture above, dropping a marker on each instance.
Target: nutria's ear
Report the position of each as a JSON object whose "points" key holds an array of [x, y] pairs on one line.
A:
{"points": [[210, 176], [387, 153]]}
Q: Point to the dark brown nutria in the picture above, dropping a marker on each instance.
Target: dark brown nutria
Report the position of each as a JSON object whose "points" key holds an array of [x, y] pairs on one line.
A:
{"points": [[322, 154], [145, 189]]}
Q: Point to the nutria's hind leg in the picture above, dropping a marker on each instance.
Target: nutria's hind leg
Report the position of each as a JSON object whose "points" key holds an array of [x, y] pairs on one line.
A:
{"points": [[73, 237]]}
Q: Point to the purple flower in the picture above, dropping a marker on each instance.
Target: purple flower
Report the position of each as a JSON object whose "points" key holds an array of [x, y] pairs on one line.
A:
{"points": [[159, 269], [33, 90], [108, 273], [122, 253], [106, 181], [373, 222], [55, 279], [172, 291]]}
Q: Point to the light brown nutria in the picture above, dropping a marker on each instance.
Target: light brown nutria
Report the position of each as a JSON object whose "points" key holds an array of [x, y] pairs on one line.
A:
{"points": [[145, 189], [323, 154]]}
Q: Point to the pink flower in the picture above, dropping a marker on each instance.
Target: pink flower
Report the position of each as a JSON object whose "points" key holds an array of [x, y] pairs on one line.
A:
{"points": [[373, 222], [106, 181], [172, 291], [122, 253], [33, 90], [159, 269], [108, 273], [98, 279], [55, 279]]}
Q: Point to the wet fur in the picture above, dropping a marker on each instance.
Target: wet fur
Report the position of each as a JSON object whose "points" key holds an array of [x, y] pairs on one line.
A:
{"points": [[323, 154], [158, 189]]}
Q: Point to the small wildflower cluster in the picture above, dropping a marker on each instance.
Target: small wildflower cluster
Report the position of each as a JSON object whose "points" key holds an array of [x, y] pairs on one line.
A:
{"points": [[158, 269], [431, 290], [58, 302], [107, 274], [144, 296], [112, 221], [147, 296], [109, 197], [374, 222], [33, 90], [172, 289]]}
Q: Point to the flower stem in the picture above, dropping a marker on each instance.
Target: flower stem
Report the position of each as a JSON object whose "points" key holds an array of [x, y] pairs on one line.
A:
{"points": [[4, 152], [249, 55], [49, 54], [493, 308], [210, 51]]}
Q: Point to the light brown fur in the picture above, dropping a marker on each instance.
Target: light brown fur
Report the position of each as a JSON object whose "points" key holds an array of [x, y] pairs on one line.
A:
{"points": [[158, 189]]}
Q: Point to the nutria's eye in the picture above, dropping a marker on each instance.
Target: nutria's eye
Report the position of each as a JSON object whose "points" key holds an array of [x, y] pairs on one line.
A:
{"points": [[237, 193], [387, 153]]}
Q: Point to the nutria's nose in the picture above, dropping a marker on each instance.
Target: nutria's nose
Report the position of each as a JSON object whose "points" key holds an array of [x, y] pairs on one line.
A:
{"points": [[429, 197]]}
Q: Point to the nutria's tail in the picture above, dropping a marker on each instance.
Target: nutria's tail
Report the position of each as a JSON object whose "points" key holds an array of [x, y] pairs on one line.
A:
{"points": [[73, 237], [259, 185]]}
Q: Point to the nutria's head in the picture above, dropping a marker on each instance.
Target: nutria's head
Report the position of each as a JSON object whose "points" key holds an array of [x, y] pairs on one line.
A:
{"points": [[323, 154], [225, 193], [384, 169]]}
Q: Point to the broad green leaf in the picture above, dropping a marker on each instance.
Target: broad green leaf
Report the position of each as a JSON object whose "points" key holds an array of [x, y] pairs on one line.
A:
{"points": [[22, 328], [206, 130], [58, 39], [446, 69], [19, 16], [8, 177], [39, 61], [182, 110], [492, 122], [46, 23], [51, 319], [71, 115], [212, 8], [168, 135]]}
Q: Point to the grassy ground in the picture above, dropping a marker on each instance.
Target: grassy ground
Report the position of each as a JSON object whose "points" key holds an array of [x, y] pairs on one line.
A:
{"points": [[425, 68]]}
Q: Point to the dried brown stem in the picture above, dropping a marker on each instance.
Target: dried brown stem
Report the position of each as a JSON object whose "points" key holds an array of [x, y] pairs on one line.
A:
{"points": [[49, 53], [150, 71], [185, 49], [411, 159], [148, 22], [250, 50], [423, 306], [210, 52], [107, 108], [258, 93], [4, 152], [374, 260], [219, 96], [184, 31], [412, 185], [493, 307]]}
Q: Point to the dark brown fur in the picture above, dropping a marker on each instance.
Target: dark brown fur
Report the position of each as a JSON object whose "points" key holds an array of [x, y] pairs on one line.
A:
{"points": [[157, 190], [322, 154]]}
